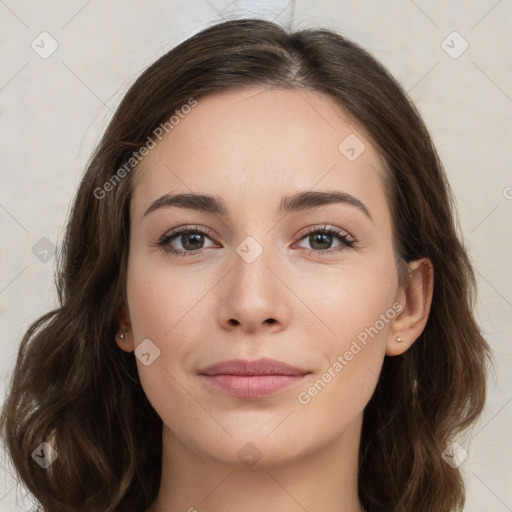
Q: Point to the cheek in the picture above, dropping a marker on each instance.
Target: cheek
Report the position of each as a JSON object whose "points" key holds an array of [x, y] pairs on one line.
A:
{"points": [[344, 301], [355, 306], [161, 301], [169, 308], [159, 307], [146, 304], [336, 395]]}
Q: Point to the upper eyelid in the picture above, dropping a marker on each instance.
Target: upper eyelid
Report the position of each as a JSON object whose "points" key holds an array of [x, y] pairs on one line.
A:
{"points": [[326, 227], [183, 229]]}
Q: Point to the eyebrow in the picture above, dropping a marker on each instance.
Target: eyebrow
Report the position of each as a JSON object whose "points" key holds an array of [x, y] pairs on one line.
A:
{"points": [[299, 201]]}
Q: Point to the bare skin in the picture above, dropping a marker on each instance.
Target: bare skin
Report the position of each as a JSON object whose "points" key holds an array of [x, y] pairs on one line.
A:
{"points": [[252, 148]]}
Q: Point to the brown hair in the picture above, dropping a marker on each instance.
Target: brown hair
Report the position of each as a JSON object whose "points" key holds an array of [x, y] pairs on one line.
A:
{"points": [[74, 388]]}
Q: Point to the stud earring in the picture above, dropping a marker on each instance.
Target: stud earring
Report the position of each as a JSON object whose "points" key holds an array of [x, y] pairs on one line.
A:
{"points": [[121, 336], [399, 339]]}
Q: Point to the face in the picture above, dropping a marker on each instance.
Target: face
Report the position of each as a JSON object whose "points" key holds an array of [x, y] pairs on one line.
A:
{"points": [[311, 283]]}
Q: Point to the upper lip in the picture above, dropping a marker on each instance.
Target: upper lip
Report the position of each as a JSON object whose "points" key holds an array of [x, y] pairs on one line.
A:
{"points": [[263, 366]]}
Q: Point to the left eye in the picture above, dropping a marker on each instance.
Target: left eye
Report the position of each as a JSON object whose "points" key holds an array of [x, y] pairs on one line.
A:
{"points": [[322, 239]]}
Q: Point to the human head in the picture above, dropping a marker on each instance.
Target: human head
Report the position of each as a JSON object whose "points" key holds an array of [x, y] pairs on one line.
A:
{"points": [[423, 396]]}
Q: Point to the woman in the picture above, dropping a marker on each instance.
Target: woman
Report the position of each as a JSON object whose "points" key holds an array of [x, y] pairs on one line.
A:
{"points": [[263, 297]]}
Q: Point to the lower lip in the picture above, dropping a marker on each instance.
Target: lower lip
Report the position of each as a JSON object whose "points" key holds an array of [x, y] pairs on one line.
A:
{"points": [[252, 386]]}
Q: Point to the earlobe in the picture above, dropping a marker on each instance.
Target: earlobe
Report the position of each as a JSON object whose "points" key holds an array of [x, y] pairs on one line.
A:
{"points": [[124, 335], [416, 299]]}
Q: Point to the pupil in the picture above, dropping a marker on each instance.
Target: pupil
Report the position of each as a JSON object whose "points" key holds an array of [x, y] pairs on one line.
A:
{"points": [[322, 238], [193, 238]]}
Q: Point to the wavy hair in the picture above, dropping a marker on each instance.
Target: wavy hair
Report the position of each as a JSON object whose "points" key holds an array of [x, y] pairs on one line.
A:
{"points": [[74, 388]]}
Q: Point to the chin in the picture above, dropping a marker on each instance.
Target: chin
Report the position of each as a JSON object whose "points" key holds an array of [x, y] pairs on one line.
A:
{"points": [[252, 450]]}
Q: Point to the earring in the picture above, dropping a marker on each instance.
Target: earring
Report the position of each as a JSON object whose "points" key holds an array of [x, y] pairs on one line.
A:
{"points": [[399, 339], [121, 336]]}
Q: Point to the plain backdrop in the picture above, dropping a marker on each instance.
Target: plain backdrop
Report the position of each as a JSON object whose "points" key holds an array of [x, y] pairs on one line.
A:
{"points": [[55, 106]]}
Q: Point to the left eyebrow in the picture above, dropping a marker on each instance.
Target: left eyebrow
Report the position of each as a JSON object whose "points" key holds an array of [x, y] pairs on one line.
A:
{"points": [[313, 199], [299, 201]]}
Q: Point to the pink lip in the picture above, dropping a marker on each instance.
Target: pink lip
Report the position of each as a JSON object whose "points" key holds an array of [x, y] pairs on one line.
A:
{"points": [[252, 379]]}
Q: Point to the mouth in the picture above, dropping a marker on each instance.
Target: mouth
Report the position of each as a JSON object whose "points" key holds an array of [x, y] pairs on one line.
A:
{"points": [[252, 379]]}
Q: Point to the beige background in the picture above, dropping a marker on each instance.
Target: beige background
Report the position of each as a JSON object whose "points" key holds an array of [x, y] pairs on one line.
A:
{"points": [[53, 111]]}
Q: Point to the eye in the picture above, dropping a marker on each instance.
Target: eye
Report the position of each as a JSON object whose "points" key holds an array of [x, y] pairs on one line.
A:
{"points": [[322, 238], [190, 238]]}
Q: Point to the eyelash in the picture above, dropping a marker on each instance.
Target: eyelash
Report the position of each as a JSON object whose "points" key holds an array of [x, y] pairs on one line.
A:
{"points": [[347, 240]]}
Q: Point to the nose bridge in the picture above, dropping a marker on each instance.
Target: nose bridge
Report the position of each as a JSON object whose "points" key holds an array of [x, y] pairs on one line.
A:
{"points": [[250, 273], [253, 296]]}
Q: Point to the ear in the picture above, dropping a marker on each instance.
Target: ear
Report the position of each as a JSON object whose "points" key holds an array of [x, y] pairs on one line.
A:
{"points": [[416, 299], [124, 327]]}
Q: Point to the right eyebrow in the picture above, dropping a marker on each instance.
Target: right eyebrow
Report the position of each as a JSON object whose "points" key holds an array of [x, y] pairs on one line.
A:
{"points": [[200, 202]]}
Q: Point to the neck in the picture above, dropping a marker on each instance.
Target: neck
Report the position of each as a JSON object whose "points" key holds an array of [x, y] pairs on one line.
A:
{"points": [[324, 480]]}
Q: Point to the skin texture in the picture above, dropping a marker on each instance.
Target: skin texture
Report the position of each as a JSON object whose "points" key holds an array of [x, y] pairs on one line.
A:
{"points": [[252, 148]]}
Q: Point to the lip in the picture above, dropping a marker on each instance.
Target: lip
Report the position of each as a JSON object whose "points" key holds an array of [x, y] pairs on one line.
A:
{"points": [[252, 379]]}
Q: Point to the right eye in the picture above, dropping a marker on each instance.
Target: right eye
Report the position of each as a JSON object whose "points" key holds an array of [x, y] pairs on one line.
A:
{"points": [[191, 239]]}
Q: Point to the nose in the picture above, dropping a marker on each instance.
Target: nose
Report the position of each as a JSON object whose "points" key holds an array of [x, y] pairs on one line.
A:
{"points": [[253, 298]]}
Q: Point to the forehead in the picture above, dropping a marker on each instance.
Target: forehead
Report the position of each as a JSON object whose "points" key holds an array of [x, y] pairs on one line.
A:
{"points": [[255, 142]]}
